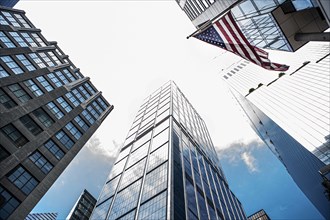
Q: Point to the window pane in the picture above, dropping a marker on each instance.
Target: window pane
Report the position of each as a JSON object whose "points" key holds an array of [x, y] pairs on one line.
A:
{"points": [[19, 92], [23, 180], [28, 122], [14, 135]]}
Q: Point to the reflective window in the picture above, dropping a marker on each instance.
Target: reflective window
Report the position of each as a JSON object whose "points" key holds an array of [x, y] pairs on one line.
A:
{"points": [[12, 64], [62, 77], [22, 180], [158, 157], [88, 117], [41, 162], [72, 99], [14, 135], [6, 41], [69, 75], [82, 124], [97, 107], [102, 103], [101, 211], [64, 139], [78, 95], [133, 173], [28, 122], [37, 60], [11, 19], [22, 20], [109, 189], [118, 168], [160, 139], [38, 39], [28, 65], [155, 182], [54, 79], [138, 154], [93, 112], [45, 83], [27, 37], [83, 90], [73, 130], [33, 87], [9, 203], [43, 117], [5, 100], [154, 208], [19, 92], [90, 88], [65, 105], [54, 57], [55, 110], [3, 72], [54, 149], [125, 200], [46, 59], [3, 21], [18, 39]]}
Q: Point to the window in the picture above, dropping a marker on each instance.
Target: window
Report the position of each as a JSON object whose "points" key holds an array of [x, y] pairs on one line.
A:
{"points": [[37, 60], [90, 88], [19, 92], [18, 39], [23, 180], [3, 72], [10, 203], [88, 117], [54, 57], [97, 107], [33, 87], [72, 99], [46, 59], [11, 19], [22, 20], [83, 90], [40, 161], [64, 139], [78, 95], [28, 122], [54, 79], [12, 64], [6, 41], [5, 100], [28, 65], [55, 110], [81, 123], [43, 117], [3, 21], [3, 153], [73, 130], [29, 39], [54, 149], [102, 103], [14, 135], [154, 208], [69, 75], [37, 38], [45, 83], [62, 77], [93, 112], [65, 105]]}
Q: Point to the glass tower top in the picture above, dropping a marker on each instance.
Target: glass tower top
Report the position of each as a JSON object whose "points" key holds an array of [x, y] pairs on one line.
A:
{"points": [[168, 168]]}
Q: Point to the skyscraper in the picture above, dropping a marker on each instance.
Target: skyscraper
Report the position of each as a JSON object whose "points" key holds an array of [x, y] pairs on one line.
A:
{"points": [[48, 111], [41, 216], [8, 3], [259, 215], [168, 167], [291, 113], [83, 208], [268, 24]]}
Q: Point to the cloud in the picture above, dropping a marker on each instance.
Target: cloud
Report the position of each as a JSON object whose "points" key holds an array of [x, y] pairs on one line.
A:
{"points": [[241, 151]]}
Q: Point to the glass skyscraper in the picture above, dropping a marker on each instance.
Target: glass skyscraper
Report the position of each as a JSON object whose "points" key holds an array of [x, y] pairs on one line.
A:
{"points": [[168, 167], [291, 113], [83, 208], [48, 111]]}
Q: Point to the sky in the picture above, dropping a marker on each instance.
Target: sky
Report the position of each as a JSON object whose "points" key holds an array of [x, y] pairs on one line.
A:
{"points": [[129, 49]]}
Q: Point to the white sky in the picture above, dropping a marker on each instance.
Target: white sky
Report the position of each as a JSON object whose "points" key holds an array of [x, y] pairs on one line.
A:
{"points": [[130, 48]]}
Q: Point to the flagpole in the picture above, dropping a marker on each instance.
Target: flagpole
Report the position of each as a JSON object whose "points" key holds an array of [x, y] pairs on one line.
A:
{"points": [[210, 22]]}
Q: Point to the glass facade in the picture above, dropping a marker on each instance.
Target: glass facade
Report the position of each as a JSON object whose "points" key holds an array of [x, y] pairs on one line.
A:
{"points": [[44, 122], [168, 167], [83, 208]]}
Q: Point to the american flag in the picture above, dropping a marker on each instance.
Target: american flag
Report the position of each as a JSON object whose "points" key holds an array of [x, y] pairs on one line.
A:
{"points": [[225, 33]]}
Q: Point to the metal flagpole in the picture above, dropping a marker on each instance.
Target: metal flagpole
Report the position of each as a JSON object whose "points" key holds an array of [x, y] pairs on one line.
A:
{"points": [[210, 22]]}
